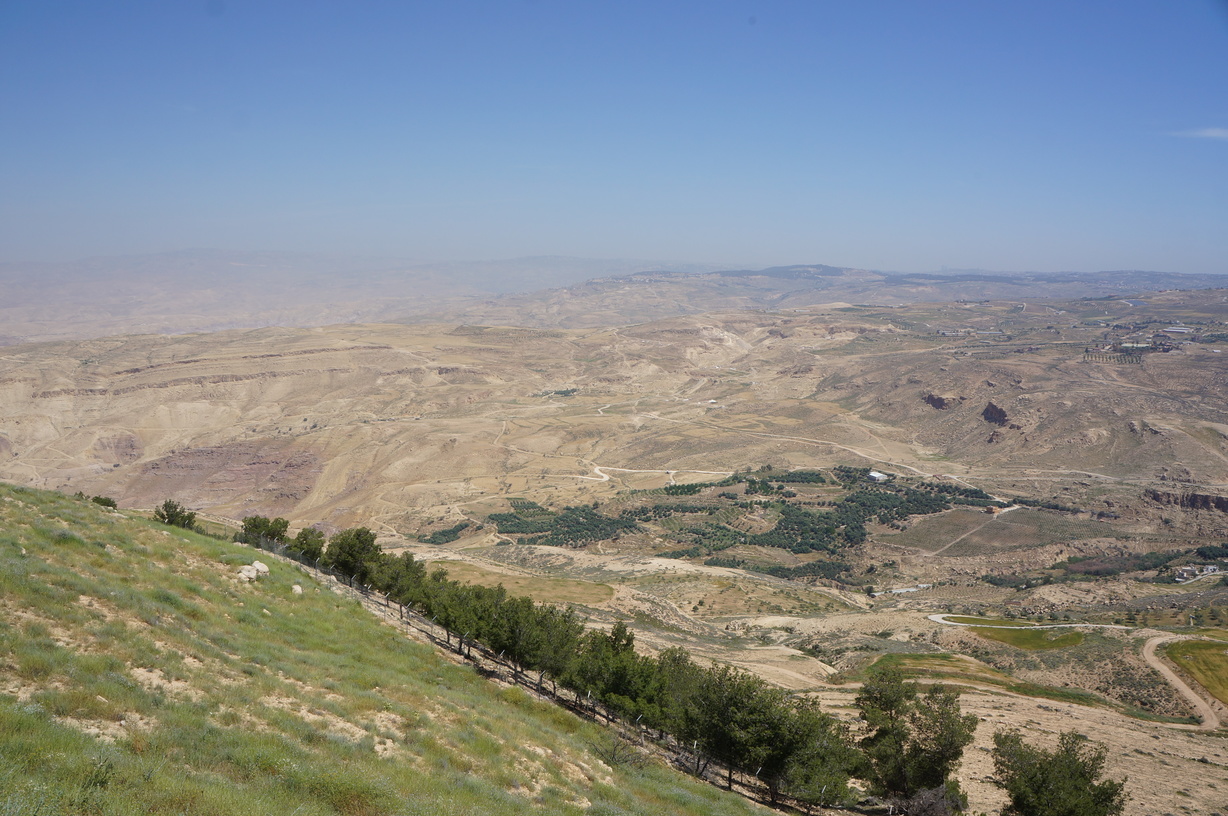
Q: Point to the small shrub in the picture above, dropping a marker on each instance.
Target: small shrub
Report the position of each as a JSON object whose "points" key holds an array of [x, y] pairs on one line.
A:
{"points": [[175, 514]]}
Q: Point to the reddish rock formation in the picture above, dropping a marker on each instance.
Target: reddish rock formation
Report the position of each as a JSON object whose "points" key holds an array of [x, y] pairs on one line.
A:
{"points": [[1189, 501]]}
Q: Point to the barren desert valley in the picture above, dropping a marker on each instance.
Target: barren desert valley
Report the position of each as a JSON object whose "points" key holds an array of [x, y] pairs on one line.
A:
{"points": [[1020, 490]]}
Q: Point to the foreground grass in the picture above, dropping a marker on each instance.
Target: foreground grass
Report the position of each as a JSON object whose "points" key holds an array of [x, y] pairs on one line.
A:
{"points": [[1031, 639], [1205, 662], [138, 675]]}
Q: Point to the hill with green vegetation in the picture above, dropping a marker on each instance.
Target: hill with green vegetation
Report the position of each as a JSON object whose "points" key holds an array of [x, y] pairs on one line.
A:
{"points": [[140, 673]]}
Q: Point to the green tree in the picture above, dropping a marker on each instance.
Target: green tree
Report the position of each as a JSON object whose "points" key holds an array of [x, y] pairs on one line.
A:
{"points": [[559, 642], [608, 667], [799, 749], [175, 514], [672, 690], [915, 743], [105, 501], [466, 611], [726, 716], [309, 542], [822, 760], [354, 552], [257, 529], [1063, 782], [939, 735], [403, 578], [516, 632]]}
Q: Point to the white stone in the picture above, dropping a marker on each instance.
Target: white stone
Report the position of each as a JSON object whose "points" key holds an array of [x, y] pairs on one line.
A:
{"points": [[296, 589], [260, 567]]}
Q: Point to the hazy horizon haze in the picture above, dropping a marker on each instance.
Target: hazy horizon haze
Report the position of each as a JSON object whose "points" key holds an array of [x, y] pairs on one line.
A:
{"points": [[890, 136]]}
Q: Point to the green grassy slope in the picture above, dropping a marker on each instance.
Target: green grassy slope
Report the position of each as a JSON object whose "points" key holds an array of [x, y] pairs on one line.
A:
{"points": [[139, 675]]}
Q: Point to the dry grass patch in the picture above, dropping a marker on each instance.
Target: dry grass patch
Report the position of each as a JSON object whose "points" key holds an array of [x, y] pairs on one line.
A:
{"points": [[935, 532], [718, 596], [971, 533], [547, 590]]}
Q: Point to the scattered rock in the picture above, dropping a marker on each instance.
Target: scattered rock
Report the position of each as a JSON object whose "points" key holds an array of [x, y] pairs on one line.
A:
{"points": [[296, 589], [253, 571]]}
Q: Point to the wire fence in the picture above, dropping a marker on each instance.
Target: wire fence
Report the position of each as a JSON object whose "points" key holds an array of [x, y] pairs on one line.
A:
{"points": [[496, 667]]}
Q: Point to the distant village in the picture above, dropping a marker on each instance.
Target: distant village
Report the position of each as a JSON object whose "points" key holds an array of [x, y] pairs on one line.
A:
{"points": [[1189, 573], [1131, 340], [1143, 339]]}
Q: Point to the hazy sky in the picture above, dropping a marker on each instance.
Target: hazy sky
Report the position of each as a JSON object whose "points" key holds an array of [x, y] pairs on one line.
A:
{"points": [[892, 135]]}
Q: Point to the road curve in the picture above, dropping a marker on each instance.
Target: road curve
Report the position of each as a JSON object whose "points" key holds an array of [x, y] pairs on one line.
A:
{"points": [[1210, 720], [942, 618]]}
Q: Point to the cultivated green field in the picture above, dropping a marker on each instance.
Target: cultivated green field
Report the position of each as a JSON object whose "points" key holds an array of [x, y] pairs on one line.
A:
{"points": [[1031, 639], [975, 621], [1206, 662]]}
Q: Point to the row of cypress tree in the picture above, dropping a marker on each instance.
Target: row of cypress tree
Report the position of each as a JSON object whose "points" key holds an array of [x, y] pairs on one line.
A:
{"points": [[907, 750]]}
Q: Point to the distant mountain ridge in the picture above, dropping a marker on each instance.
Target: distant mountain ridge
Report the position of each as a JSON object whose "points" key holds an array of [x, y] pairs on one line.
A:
{"points": [[646, 296], [212, 290]]}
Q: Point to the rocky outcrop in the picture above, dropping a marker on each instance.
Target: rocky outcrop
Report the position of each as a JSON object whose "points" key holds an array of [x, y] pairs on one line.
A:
{"points": [[1143, 427], [993, 414], [939, 402], [123, 447], [1189, 501]]}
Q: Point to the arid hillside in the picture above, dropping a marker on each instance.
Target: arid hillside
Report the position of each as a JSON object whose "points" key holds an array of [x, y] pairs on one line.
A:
{"points": [[1089, 437], [400, 426]]}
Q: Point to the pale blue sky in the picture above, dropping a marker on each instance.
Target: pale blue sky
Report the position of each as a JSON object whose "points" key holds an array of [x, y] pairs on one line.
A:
{"points": [[894, 135]]}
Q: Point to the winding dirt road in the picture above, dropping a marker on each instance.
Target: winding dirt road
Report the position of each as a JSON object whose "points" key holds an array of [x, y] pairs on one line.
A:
{"points": [[941, 617], [1210, 720]]}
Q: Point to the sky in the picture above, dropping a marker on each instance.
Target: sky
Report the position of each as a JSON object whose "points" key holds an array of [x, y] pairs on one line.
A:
{"points": [[905, 136]]}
